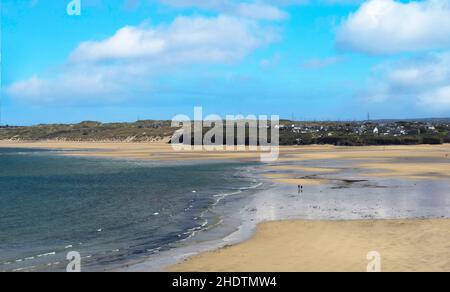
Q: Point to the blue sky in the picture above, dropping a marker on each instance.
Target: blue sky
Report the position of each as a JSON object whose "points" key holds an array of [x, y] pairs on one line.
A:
{"points": [[121, 60]]}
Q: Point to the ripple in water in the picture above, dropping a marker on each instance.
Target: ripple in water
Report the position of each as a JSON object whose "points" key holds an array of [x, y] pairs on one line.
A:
{"points": [[110, 211]]}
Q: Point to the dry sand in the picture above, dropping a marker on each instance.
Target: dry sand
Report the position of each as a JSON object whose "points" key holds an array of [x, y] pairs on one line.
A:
{"points": [[304, 246], [408, 245], [164, 151], [159, 151]]}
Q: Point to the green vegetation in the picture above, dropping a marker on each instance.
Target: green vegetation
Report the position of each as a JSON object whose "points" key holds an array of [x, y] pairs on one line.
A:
{"points": [[140, 131], [291, 133]]}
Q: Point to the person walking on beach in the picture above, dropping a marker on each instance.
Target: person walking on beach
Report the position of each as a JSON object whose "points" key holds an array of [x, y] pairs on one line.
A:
{"points": [[300, 189]]}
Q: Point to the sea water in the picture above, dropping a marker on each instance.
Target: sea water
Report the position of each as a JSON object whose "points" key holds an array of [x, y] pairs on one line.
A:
{"points": [[107, 210]]}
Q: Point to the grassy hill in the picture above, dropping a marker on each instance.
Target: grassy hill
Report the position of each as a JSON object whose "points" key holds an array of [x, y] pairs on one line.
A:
{"points": [[140, 131]]}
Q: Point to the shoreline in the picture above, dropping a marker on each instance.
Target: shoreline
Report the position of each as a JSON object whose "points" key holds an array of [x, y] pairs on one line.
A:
{"points": [[339, 174], [239, 185], [235, 227], [225, 254]]}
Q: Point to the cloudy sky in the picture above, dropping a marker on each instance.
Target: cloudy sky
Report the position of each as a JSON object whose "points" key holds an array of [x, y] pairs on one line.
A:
{"points": [[123, 60]]}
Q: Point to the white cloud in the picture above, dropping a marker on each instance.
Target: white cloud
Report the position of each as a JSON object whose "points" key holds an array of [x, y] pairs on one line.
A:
{"points": [[421, 81], [128, 62], [438, 99], [108, 70], [388, 26], [80, 84], [128, 42], [186, 40]]}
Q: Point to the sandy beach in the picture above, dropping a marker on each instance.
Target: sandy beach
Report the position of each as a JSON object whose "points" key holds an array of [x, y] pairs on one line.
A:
{"points": [[158, 151], [319, 245], [324, 246], [164, 151]]}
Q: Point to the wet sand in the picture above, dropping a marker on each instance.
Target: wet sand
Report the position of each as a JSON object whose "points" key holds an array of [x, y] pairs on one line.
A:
{"points": [[290, 179], [411, 170]]}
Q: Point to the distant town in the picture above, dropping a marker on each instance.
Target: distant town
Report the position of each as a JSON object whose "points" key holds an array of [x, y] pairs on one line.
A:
{"points": [[353, 133], [386, 132]]}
